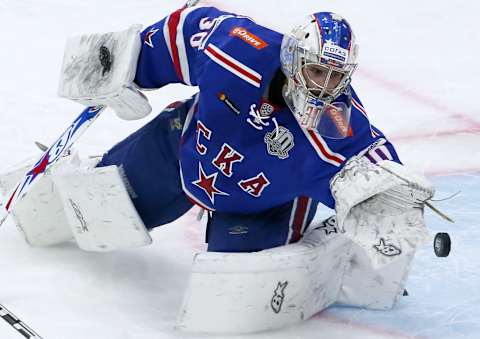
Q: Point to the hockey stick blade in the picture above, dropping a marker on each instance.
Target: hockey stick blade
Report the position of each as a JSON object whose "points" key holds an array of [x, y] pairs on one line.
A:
{"points": [[60, 147], [4, 215], [17, 324]]}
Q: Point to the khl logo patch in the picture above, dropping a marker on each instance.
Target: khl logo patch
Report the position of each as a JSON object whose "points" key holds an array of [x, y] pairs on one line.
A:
{"points": [[279, 142]]}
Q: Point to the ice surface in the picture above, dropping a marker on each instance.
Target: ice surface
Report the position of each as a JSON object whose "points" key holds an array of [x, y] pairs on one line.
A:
{"points": [[418, 64]]}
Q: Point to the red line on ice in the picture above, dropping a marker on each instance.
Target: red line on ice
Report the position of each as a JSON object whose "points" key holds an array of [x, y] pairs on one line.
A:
{"points": [[436, 134], [414, 95], [453, 171]]}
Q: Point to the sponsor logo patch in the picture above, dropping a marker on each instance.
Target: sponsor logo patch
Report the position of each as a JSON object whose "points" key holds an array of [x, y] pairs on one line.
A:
{"points": [[176, 124], [248, 37], [278, 144], [223, 98], [237, 230], [334, 53], [78, 213], [386, 249], [278, 297]]}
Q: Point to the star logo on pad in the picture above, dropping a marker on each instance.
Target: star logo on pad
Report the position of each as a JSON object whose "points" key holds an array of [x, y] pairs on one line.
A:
{"points": [[207, 184], [149, 35]]}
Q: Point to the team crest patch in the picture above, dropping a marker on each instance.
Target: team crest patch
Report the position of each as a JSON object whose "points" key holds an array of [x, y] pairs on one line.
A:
{"points": [[279, 142]]}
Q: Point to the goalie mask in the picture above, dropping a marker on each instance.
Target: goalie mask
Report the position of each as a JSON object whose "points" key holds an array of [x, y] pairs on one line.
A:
{"points": [[318, 59]]}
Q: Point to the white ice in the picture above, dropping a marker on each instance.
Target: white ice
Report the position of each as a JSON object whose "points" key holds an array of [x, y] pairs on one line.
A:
{"points": [[418, 67]]}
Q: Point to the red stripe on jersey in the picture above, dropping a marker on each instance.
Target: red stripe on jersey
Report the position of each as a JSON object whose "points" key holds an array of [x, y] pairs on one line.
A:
{"points": [[199, 204], [359, 107], [324, 151], [234, 66], [299, 218], [172, 28]]}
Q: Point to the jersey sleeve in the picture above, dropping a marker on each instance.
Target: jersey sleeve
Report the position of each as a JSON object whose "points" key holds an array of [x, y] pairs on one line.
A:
{"points": [[169, 52]]}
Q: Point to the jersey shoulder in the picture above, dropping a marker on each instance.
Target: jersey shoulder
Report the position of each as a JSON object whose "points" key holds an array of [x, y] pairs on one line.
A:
{"points": [[237, 46]]}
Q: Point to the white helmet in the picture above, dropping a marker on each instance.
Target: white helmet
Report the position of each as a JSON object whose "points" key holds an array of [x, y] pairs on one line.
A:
{"points": [[318, 59]]}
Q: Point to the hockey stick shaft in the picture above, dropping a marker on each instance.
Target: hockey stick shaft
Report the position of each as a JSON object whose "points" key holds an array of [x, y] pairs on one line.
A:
{"points": [[17, 324], [51, 155]]}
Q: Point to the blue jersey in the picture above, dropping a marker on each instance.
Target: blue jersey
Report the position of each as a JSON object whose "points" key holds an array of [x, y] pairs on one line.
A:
{"points": [[230, 159]]}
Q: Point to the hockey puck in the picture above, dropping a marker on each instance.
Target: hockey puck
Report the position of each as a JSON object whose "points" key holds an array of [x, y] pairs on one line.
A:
{"points": [[442, 244]]}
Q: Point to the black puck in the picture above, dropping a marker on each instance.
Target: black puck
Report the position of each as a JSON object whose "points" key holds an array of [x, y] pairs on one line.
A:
{"points": [[442, 244]]}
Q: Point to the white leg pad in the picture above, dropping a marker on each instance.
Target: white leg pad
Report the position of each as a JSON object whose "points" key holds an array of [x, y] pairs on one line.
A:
{"points": [[271, 289], [39, 215], [75, 201], [373, 287], [99, 210], [251, 292]]}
